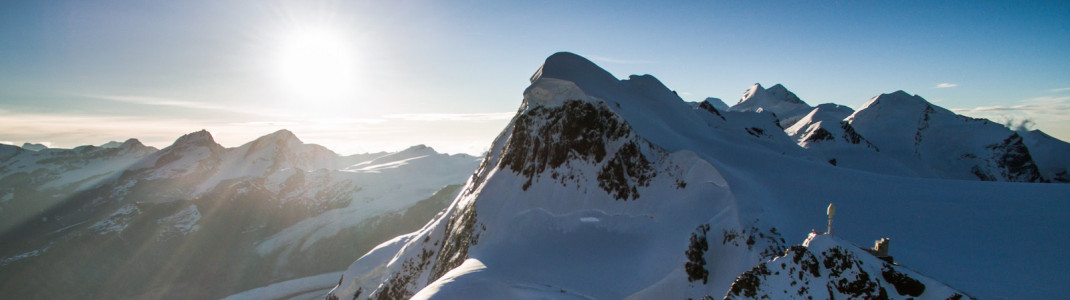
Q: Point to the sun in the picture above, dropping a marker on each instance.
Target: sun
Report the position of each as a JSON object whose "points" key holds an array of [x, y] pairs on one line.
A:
{"points": [[316, 64]]}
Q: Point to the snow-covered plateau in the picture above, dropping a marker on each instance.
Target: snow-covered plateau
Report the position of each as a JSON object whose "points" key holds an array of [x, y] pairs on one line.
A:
{"points": [[601, 188]]}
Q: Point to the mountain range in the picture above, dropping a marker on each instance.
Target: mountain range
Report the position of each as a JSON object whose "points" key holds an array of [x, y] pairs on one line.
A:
{"points": [[198, 220], [598, 188], [602, 188]]}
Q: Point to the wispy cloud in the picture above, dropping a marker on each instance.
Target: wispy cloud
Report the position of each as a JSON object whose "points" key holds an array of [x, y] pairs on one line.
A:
{"points": [[1039, 105], [188, 104], [156, 101], [266, 123], [944, 85], [68, 130], [1059, 90], [453, 117], [618, 61], [1051, 114]]}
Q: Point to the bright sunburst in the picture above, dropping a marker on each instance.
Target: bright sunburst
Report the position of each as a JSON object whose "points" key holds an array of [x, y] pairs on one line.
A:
{"points": [[316, 64]]}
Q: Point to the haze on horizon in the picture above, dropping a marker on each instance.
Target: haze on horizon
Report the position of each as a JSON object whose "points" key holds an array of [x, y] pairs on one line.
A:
{"points": [[369, 76]]}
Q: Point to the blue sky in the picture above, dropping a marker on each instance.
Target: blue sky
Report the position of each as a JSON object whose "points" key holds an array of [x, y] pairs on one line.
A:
{"points": [[450, 73]]}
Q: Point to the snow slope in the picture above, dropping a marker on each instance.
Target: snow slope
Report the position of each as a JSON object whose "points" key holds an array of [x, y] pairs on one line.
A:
{"points": [[597, 177], [312, 287], [1050, 155], [213, 220], [936, 142], [34, 181]]}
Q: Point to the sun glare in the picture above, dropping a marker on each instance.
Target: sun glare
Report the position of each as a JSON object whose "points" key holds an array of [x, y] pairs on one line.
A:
{"points": [[316, 64]]}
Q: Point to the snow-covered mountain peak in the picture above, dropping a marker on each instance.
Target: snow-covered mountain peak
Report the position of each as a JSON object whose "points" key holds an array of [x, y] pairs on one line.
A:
{"points": [[716, 103], [777, 100], [418, 148], [566, 76], [897, 98], [825, 112], [919, 133], [282, 141], [413, 151], [571, 67], [133, 146], [409, 153], [778, 91], [115, 144], [750, 92], [900, 94], [282, 134], [111, 144], [650, 87], [195, 139], [899, 112], [34, 147], [130, 143], [195, 152]]}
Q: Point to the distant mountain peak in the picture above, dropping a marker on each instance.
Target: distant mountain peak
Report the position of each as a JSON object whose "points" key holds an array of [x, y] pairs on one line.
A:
{"points": [[417, 148], [282, 134], [757, 97], [111, 144], [201, 137], [717, 103], [778, 100], [897, 98], [900, 104], [34, 147], [131, 143], [750, 92], [571, 67], [134, 145], [901, 93]]}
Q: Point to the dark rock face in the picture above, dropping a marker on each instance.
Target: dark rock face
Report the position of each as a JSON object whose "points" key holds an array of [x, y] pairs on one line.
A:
{"points": [[819, 134], [696, 250], [849, 135], [543, 144], [904, 285], [625, 172], [436, 256], [548, 138], [462, 235], [852, 136], [747, 285], [752, 238], [1013, 160], [923, 125], [837, 262], [709, 107], [756, 132]]}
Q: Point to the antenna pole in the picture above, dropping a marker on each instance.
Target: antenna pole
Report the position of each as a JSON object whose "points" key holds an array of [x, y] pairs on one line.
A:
{"points": [[831, 212]]}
